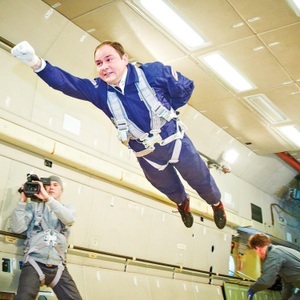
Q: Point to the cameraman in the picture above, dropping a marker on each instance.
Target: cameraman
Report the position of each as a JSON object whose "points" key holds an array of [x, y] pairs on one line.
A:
{"points": [[45, 221]]}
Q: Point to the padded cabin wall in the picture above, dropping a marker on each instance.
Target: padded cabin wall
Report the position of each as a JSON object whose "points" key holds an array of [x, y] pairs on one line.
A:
{"points": [[40, 119], [117, 206], [112, 218], [117, 220], [28, 102]]}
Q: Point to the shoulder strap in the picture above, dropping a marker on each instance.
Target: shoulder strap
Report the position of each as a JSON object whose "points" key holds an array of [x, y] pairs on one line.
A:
{"points": [[126, 128], [147, 95], [39, 220], [159, 114]]}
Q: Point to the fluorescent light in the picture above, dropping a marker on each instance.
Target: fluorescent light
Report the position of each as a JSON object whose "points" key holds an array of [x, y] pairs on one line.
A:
{"points": [[227, 72], [295, 5], [230, 156], [291, 133], [264, 106], [172, 22]]}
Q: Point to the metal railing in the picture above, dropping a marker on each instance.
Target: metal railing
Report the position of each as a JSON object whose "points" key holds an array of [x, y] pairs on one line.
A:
{"points": [[141, 262]]}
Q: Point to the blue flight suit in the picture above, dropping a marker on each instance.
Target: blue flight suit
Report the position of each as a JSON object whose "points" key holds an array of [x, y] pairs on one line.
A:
{"points": [[173, 90]]}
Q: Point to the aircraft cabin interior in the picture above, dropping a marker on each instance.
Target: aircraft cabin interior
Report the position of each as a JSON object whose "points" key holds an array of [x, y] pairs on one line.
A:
{"points": [[128, 240]]}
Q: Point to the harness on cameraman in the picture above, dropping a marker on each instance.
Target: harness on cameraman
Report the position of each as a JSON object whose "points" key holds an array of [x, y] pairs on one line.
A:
{"points": [[49, 240]]}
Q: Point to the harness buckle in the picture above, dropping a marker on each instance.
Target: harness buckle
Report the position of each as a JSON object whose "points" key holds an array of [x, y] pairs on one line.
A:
{"points": [[122, 131], [161, 111], [50, 237], [151, 141]]}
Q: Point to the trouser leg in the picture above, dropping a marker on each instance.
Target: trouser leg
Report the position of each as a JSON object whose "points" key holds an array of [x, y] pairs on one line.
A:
{"points": [[29, 283], [196, 173], [192, 169], [166, 181], [66, 288]]}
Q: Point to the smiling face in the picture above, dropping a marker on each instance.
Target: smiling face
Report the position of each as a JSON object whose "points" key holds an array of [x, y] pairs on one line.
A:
{"points": [[111, 64]]}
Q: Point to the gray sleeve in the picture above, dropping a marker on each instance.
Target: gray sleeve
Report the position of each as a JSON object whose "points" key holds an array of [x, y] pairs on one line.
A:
{"points": [[270, 271], [287, 290], [65, 213], [20, 218]]}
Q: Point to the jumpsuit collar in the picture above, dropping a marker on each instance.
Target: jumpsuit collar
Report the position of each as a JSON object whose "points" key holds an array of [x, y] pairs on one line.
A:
{"points": [[129, 77]]}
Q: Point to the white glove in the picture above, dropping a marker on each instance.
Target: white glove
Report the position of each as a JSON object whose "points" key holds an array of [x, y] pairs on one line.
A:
{"points": [[25, 53]]}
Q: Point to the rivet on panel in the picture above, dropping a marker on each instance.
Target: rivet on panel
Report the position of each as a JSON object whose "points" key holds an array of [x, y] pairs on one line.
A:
{"points": [[258, 48], [83, 37], [273, 44], [50, 122], [98, 275], [48, 13], [157, 283], [7, 101], [79, 189], [238, 25], [112, 201], [57, 4], [253, 19]]}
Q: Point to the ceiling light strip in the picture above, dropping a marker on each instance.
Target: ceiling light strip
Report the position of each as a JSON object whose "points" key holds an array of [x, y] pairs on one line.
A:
{"points": [[266, 108], [227, 72], [291, 133], [170, 20]]}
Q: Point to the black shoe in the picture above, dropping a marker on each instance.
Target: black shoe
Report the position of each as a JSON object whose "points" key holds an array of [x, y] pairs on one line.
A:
{"points": [[185, 212], [219, 215]]}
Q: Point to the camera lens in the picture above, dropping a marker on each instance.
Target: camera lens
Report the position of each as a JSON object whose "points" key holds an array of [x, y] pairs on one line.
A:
{"points": [[31, 188]]}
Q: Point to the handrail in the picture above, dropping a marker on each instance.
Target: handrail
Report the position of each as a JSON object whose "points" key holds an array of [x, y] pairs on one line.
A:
{"points": [[156, 264], [5, 44]]}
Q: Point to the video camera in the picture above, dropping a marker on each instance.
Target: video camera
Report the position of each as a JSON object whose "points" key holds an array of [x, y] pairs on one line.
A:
{"points": [[32, 187]]}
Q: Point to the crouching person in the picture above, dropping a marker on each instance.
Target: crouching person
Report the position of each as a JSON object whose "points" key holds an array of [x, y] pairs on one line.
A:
{"points": [[45, 221]]}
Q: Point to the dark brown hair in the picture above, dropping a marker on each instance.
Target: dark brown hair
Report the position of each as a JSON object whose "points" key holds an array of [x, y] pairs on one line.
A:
{"points": [[117, 46], [258, 240]]}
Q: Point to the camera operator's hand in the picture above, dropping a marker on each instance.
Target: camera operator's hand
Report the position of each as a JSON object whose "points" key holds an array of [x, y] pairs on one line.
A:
{"points": [[25, 53], [23, 196], [42, 195]]}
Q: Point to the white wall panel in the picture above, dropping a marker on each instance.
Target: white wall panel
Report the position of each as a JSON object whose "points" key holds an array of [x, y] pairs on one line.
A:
{"points": [[5, 209], [17, 86], [19, 19], [119, 224], [47, 110], [110, 285]]}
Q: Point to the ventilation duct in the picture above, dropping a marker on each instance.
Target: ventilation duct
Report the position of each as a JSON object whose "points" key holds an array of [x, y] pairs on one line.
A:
{"points": [[289, 160]]}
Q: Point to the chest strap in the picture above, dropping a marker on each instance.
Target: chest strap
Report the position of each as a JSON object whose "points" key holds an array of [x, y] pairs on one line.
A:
{"points": [[158, 114], [50, 239]]}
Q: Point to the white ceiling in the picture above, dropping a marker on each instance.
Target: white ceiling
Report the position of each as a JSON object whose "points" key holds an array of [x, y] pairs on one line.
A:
{"points": [[261, 38]]}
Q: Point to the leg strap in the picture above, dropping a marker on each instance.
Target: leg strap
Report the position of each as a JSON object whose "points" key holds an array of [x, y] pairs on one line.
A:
{"points": [[57, 276], [37, 268], [174, 159]]}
